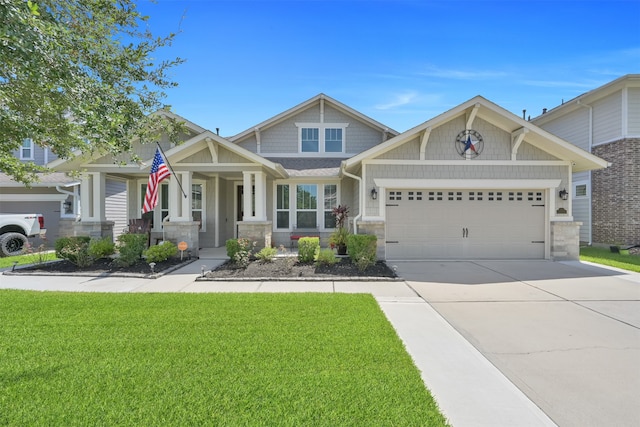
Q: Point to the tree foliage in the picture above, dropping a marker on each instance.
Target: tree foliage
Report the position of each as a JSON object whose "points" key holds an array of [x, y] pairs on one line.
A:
{"points": [[78, 74]]}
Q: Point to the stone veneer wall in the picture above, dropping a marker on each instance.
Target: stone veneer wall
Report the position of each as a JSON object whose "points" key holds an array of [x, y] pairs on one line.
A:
{"points": [[565, 240], [616, 193], [256, 231], [97, 229], [183, 231]]}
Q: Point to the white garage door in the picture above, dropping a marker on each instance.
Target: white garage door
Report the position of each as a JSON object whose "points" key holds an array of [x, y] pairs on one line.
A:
{"points": [[453, 224]]}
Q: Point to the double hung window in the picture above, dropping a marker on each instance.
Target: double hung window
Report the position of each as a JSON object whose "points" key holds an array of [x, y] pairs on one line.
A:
{"points": [[322, 138], [305, 206], [26, 150]]}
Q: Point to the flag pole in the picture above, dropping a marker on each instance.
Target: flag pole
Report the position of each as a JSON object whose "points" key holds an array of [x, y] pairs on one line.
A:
{"points": [[172, 172]]}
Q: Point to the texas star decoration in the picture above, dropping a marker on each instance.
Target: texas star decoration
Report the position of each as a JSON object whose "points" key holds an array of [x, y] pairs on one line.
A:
{"points": [[469, 143]]}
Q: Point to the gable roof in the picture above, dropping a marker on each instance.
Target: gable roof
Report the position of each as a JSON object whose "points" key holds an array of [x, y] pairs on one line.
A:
{"points": [[629, 80], [501, 118], [305, 105]]}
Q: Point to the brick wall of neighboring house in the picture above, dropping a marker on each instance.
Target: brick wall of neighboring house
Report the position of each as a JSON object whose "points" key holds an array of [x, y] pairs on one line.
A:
{"points": [[616, 193]]}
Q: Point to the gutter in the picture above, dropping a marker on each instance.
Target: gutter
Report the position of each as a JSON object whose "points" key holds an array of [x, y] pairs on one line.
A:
{"points": [[580, 104], [361, 202]]}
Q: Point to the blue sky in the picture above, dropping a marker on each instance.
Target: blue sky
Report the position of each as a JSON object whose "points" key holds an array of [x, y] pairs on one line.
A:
{"points": [[399, 62]]}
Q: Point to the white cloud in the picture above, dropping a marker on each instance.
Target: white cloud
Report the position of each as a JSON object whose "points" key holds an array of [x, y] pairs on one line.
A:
{"points": [[398, 101], [462, 74]]}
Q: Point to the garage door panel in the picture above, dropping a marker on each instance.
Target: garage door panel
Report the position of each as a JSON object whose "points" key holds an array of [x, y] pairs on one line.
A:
{"points": [[484, 224]]}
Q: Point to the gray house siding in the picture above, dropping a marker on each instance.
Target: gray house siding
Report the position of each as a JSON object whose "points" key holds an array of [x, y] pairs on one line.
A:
{"points": [[607, 118], [116, 205], [633, 99], [573, 127]]}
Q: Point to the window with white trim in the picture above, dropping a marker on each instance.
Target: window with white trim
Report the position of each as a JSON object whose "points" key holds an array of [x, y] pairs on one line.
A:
{"points": [[161, 210], [580, 189], [26, 150], [305, 206], [282, 206], [198, 202], [330, 202], [321, 137]]}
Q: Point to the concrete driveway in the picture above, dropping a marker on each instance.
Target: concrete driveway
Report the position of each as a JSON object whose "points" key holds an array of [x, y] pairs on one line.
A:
{"points": [[566, 334]]}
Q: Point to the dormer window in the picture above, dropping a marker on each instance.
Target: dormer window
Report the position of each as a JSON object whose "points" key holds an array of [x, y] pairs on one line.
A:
{"points": [[26, 150], [321, 137]]}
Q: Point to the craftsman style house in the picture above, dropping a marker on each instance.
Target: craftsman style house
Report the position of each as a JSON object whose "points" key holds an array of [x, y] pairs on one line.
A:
{"points": [[474, 182], [605, 122]]}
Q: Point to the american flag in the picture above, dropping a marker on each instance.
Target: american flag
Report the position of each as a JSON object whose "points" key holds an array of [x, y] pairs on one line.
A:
{"points": [[159, 171]]}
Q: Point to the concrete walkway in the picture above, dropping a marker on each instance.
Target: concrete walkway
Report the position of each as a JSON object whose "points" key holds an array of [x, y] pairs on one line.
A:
{"points": [[469, 388]]}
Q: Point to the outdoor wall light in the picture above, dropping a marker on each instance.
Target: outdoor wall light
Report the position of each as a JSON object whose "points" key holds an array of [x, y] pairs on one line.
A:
{"points": [[374, 194], [563, 194]]}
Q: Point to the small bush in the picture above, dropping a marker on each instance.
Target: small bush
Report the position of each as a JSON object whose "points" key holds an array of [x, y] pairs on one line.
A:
{"points": [[130, 248], [239, 251], [101, 248], [362, 250], [307, 248], [325, 257], [75, 250], [267, 254], [161, 252]]}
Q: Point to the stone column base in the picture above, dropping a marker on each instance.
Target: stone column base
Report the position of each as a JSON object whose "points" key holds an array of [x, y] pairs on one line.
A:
{"points": [[183, 231], [565, 240], [94, 229], [256, 231], [66, 227], [376, 228]]}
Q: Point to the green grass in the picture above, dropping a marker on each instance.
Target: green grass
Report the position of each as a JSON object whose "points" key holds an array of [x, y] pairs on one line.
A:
{"points": [[32, 258], [606, 257], [205, 359]]}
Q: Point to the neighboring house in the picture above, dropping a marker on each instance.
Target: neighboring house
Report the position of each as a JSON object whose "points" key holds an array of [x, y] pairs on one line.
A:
{"points": [[605, 122], [56, 195], [473, 182], [52, 196]]}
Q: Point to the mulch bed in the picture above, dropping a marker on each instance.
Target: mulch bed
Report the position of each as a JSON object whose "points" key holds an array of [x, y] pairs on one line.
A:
{"points": [[99, 267], [290, 268]]}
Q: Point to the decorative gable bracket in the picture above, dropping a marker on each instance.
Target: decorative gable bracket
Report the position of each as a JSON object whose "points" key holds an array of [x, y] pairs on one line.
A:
{"points": [[516, 140]]}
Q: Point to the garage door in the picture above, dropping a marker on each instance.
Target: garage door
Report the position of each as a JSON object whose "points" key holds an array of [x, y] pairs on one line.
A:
{"points": [[446, 224]]}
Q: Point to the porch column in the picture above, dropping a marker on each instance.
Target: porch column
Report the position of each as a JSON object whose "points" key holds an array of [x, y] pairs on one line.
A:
{"points": [[92, 202], [247, 183], [261, 196], [92, 196], [180, 206]]}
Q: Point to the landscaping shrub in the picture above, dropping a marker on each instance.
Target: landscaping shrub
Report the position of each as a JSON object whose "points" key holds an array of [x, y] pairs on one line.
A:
{"points": [[326, 257], [161, 252], [101, 248], [267, 254], [362, 250], [130, 248], [240, 250], [75, 250], [307, 248]]}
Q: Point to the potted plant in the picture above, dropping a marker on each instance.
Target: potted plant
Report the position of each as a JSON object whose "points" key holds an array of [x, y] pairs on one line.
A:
{"points": [[338, 238]]}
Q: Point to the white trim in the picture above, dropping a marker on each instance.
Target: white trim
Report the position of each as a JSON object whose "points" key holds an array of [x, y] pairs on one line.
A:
{"points": [[31, 149], [293, 183], [467, 162], [322, 127], [618, 138], [587, 185], [32, 197], [497, 184]]}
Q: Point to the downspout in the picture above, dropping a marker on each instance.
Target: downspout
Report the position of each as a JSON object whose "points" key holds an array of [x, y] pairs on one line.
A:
{"points": [[357, 217], [590, 172]]}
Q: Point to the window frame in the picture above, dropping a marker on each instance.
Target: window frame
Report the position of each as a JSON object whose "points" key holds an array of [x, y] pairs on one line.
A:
{"points": [[30, 148], [203, 203], [157, 212], [587, 190], [322, 133], [278, 209], [293, 210]]}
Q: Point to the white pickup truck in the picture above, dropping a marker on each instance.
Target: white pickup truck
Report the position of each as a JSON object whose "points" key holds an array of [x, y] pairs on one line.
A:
{"points": [[14, 230]]}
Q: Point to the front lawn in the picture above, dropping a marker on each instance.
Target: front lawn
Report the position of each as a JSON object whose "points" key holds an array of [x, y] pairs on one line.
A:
{"points": [[205, 359], [606, 257], [29, 258]]}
